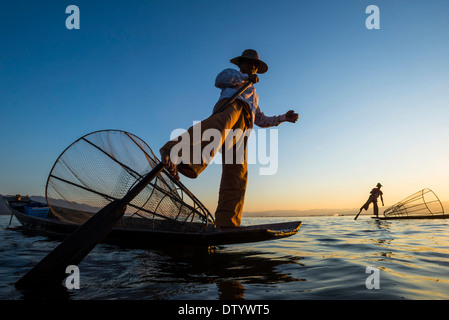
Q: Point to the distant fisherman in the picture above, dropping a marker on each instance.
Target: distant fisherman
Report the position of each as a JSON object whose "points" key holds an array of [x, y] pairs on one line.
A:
{"points": [[374, 194]]}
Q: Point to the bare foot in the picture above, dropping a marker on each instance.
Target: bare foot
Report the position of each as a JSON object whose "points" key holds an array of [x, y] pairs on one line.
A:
{"points": [[165, 158]]}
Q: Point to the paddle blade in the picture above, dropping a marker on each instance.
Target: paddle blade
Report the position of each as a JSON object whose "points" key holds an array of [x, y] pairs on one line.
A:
{"points": [[51, 270]]}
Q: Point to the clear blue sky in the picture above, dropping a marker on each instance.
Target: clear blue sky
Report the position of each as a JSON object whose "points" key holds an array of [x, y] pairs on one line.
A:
{"points": [[373, 104]]}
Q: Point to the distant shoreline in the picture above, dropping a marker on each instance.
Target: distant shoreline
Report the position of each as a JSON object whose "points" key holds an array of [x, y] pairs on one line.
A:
{"points": [[304, 215]]}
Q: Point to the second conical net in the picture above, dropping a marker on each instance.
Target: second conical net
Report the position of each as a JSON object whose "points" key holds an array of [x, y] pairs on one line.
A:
{"points": [[422, 203]]}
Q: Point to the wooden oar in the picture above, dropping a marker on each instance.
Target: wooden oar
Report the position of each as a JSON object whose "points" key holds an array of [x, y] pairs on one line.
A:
{"points": [[50, 271]]}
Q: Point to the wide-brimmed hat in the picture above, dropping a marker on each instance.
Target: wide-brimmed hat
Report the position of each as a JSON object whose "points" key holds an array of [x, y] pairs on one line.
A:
{"points": [[379, 185], [250, 54]]}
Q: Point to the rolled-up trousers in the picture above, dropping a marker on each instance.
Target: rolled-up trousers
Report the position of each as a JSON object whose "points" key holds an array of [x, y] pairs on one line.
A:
{"points": [[193, 150]]}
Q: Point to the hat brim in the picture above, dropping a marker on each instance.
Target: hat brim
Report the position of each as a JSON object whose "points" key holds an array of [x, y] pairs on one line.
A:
{"points": [[261, 68]]}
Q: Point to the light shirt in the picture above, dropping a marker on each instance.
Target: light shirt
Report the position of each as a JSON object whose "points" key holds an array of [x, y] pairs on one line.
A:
{"points": [[230, 81]]}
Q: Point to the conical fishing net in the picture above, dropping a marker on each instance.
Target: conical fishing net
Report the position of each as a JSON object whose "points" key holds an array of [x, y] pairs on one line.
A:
{"points": [[421, 203], [103, 166]]}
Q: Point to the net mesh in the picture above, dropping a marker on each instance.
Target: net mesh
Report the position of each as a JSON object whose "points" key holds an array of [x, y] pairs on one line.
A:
{"points": [[422, 203], [101, 167]]}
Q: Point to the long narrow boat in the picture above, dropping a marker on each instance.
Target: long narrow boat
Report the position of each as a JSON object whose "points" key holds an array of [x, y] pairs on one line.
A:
{"points": [[134, 231], [411, 217]]}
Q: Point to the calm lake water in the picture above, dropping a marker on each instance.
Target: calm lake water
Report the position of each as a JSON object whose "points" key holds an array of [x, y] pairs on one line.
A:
{"points": [[327, 259]]}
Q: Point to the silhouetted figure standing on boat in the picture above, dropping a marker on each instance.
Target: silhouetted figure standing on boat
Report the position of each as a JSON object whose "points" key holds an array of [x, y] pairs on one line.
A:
{"points": [[374, 194]]}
